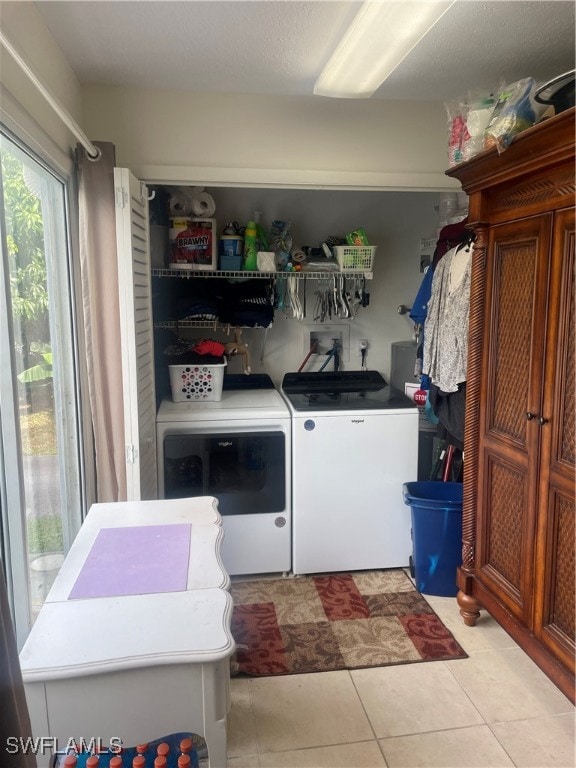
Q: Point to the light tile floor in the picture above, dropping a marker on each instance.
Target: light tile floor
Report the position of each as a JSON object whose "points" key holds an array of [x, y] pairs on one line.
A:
{"points": [[495, 708]]}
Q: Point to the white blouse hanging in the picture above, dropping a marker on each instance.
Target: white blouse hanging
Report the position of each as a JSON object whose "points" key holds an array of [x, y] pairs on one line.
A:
{"points": [[445, 355]]}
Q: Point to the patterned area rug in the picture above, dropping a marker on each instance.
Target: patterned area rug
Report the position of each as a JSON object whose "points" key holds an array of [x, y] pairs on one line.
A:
{"points": [[338, 621]]}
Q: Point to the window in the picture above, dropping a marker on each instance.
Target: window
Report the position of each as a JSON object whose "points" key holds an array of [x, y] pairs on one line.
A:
{"points": [[40, 456]]}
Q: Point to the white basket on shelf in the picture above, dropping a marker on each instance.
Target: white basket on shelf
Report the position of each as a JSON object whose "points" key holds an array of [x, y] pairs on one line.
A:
{"points": [[196, 382], [355, 258]]}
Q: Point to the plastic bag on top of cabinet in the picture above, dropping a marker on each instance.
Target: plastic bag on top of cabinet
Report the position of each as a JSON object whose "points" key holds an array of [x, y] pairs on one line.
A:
{"points": [[478, 118], [515, 111], [457, 132]]}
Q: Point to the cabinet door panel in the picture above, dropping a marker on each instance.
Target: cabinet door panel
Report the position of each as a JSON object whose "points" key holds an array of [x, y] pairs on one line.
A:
{"points": [[516, 309], [516, 295], [555, 616], [504, 542], [560, 383], [555, 558]]}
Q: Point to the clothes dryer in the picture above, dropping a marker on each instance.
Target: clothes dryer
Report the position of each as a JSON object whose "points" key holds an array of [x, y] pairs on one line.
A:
{"points": [[238, 450]]}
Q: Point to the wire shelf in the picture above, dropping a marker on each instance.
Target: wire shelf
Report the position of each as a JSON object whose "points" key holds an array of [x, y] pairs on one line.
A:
{"points": [[215, 325], [245, 274]]}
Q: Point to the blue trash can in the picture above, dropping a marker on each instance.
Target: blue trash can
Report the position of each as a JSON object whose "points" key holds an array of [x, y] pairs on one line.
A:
{"points": [[436, 509]]}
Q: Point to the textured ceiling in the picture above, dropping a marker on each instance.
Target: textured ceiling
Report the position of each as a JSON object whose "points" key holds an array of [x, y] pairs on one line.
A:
{"points": [[280, 46]]}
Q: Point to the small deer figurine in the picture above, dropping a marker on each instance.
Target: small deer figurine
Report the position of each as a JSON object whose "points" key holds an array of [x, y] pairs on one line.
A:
{"points": [[237, 348]]}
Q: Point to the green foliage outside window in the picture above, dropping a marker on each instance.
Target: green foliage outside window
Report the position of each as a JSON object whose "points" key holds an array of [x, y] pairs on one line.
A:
{"points": [[25, 239], [27, 260]]}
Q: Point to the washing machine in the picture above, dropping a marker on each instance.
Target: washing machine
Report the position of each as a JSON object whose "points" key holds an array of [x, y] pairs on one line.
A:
{"points": [[354, 444]]}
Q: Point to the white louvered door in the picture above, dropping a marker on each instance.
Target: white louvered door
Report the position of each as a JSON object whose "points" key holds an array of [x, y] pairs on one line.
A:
{"points": [[137, 336]]}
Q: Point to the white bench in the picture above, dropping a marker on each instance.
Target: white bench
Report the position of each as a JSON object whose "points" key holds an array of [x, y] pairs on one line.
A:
{"points": [[135, 667]]}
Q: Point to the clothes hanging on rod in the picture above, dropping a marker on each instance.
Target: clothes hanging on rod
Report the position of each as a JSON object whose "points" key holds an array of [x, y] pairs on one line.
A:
{"points": [[418, 316], [449, 409], [446, 326], [445, 352], [450, 237]]}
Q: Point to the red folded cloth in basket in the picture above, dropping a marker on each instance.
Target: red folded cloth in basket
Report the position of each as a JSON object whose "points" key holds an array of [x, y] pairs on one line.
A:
{"points": [[209, 347]]}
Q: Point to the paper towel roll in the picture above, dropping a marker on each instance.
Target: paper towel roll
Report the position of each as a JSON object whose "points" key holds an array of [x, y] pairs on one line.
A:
{"points": [[181, 200], [203, 205]]}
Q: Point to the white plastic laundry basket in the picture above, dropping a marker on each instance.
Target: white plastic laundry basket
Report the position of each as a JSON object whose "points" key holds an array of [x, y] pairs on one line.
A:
{"points": [[196, 382]]}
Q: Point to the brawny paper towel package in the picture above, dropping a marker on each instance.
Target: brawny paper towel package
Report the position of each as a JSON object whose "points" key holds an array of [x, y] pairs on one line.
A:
{"points": [[195, 247]]}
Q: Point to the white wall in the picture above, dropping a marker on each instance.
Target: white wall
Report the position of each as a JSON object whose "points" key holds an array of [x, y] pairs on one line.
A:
{"points": [[169, 136], [21, 102]]}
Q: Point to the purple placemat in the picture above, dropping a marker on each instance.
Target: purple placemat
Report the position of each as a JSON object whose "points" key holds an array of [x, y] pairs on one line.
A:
{"points": [[136, 560]]}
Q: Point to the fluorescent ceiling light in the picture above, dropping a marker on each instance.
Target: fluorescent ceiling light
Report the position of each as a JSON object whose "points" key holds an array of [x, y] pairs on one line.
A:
{"points": [[382, 34]]}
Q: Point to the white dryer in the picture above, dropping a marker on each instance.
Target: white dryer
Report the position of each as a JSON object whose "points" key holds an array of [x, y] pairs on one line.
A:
{"points": [[238, 450]]}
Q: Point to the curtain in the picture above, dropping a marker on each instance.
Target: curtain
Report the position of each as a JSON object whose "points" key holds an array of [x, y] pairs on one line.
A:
{"points": [[98, 260], [14, 718]]}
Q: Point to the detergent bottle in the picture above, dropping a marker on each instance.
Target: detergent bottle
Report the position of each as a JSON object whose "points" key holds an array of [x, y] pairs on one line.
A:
{"points": [[262, 239], [250, 247]]}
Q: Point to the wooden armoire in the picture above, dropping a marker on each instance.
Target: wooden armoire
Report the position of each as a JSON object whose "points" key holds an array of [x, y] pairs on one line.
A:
{"points": [[520, 428]]}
